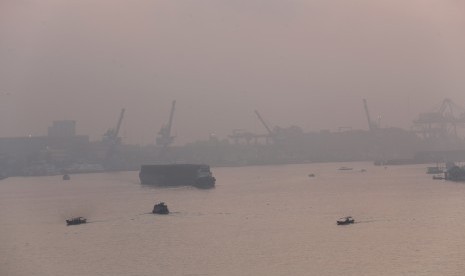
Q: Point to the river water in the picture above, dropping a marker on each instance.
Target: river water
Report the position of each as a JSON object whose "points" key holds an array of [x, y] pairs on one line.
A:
{"points": [[264, 220]]}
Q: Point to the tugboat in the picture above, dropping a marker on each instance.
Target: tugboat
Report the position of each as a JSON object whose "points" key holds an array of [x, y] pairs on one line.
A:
{"points": [[160, 208], [205, 182], [76, 221], [345, 221]]}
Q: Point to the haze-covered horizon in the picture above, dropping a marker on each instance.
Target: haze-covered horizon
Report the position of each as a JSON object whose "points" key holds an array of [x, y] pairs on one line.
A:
{"points": [[304, 63]]}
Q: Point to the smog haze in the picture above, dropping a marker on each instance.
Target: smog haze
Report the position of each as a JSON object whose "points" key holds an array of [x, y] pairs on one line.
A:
{"points": [[304, 63]]}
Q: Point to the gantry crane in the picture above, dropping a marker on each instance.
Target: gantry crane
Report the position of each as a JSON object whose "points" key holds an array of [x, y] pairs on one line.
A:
{"points": [[441, 123]]}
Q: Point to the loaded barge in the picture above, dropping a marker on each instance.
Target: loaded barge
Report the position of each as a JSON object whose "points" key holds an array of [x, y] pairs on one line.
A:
{"points": [[197, 175]]}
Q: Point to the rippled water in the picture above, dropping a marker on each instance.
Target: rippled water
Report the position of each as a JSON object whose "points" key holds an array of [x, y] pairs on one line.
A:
{"points": [[270, 220]]}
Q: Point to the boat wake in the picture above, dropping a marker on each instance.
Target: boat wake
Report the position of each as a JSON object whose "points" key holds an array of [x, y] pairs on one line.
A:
{"points": [[366, 221]]}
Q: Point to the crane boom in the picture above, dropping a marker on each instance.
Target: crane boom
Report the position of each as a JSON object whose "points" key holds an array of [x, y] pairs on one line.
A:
{"points": [[118, 126], [170, 123], [367, 113], [111, 135], [112, 141], [263, 123], [164, 138]]}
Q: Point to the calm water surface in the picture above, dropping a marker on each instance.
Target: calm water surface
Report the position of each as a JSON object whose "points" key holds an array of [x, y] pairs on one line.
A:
{"points": [[270, 220]]}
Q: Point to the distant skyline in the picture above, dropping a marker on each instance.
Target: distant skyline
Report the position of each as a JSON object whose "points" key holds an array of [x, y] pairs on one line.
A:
{"points": [[304, 63]]}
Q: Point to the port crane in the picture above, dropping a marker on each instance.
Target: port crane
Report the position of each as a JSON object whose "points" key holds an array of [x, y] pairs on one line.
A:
{"points": [[441, 123], [111, 136], [271, 133], [111, 139], [164, 137], [372, 126]]}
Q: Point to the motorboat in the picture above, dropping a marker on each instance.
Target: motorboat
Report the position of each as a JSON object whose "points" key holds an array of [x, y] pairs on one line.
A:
{"points": [[345, 221], [76, 221], [160, 208]]}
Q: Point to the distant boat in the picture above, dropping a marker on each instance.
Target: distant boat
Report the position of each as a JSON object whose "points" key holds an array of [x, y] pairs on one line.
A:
{"points": [[345, 221], [66, 177], [160, 208], [438, 177], [76, 221], [311, 175], [345, 169]]}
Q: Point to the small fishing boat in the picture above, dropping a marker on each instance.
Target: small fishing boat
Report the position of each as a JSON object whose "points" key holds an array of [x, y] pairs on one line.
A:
{"points": [[66, 177], [345, 221], [76, 221], [345, 169], [160, 208]]}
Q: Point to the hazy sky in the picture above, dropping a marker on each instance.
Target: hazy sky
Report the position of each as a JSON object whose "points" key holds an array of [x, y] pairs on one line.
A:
{"points": [[306, 63]]}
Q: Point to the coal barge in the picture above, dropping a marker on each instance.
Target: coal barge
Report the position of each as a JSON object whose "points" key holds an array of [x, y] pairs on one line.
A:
{"points": [[197, 175]]}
